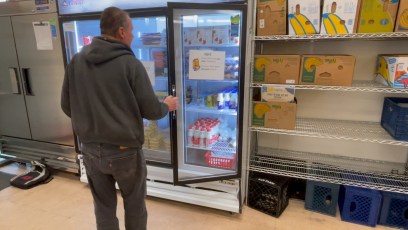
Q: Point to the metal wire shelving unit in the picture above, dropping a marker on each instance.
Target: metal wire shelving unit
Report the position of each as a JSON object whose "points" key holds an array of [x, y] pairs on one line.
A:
{"points": [[366, 173], [363, 131], [385, 176], [330, 37], [358, 86]]}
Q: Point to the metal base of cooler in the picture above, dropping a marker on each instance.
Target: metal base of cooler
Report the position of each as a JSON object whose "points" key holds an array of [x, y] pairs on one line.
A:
{"points": [[222, 195]]}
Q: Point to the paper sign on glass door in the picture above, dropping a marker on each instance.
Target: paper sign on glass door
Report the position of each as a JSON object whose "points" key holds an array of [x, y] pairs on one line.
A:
{"points": [[206, 65], [149, 66]]}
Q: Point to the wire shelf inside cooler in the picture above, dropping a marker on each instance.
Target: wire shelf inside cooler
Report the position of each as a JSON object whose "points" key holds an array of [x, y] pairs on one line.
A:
{"points": [[219, 146]]}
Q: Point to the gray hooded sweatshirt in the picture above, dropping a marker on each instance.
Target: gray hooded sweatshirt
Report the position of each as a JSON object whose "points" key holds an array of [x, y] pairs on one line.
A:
{"points": [[107, 93]]}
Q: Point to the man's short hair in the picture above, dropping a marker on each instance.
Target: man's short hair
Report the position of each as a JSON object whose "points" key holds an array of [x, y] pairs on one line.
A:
{"points": [[112, 19]]}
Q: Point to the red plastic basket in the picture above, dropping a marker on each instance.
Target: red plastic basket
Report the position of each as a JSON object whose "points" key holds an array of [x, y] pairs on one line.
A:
{"points": [[220, 162]]}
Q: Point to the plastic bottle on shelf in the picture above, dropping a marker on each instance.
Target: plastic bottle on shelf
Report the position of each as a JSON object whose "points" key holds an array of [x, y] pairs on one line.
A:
{"points": [[203, 137], [212, 127], [220, 101], [227, 98], [197, 135], [208, 137], [234, 99], [208, 101], [190, 135]]}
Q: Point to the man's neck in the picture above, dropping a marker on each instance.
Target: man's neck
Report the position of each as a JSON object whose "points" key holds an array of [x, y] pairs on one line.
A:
{"points": [[109, 37]]}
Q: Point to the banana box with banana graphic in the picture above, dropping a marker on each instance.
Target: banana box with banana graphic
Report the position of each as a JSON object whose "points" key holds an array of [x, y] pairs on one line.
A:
{"points": [[271, 17], [401, 23], [327, 70], [276, 69], [303, 17], [392, 70], [276, 115], [339, 16], [377, 16]]}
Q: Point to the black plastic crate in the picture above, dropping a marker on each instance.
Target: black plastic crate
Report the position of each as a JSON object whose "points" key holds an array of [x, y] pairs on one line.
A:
{"points": [[359, 205], [297, 189], [322, 197], [394, 211], [394, 117], [268, 193]]}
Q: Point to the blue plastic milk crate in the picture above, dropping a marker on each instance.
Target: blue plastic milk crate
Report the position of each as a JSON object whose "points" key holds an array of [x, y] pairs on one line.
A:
{"points": [[322, 197], [359, 205], [394, 117], [394, 211]]}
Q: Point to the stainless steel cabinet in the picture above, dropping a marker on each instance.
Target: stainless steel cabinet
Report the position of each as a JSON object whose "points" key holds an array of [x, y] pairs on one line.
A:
{"points": [[32, 124]]}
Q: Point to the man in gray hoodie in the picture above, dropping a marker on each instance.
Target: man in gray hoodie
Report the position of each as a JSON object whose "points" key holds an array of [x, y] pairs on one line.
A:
{"points": [[107, 93]]}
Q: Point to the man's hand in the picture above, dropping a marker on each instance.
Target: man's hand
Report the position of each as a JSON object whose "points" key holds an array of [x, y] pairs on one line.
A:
{"points": [[172, 103]]}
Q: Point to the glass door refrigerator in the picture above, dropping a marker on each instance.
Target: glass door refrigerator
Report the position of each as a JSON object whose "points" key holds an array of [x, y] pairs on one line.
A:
{"points": [[201, 172], [149, 46], [208, 47]]}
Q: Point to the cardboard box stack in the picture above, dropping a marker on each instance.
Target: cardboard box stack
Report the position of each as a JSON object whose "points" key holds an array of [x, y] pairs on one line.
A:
{"points": [[327, 70], [276, 69], [277, 109], [271, 17]]}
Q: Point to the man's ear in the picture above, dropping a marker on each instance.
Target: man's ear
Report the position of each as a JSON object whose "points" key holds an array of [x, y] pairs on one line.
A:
{"points": [[121, 32]]}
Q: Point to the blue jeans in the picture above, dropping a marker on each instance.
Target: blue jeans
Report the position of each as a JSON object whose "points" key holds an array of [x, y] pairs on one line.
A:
{"points": [[106, 164]]}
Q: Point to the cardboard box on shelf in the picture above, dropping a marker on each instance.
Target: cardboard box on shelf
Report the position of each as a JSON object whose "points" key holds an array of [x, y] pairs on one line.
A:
{"points": [[327, 70], [340, 16], [221, 35], [304, 17], [276, 69], [277, 115], [377, 16], [392, 70], [204, 35], [401, 23], [271, 17], [190, 36]]}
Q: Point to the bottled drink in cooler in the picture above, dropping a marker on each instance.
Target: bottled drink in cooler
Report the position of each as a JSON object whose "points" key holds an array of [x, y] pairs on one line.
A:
{"points": [[220, 101], [227, 98], [202, 138], [234, 99], [197, 135], [190, 135]]}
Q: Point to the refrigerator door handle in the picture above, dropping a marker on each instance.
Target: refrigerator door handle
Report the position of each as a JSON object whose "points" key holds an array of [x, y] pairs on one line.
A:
{"points": [[173, 92], [27, 81], [15, 81]]}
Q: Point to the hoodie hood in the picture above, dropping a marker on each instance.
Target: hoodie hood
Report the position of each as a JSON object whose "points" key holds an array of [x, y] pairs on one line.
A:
{"points": [[102, 50]]}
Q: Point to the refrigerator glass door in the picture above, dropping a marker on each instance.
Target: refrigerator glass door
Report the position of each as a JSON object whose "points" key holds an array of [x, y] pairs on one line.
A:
{"points": [[207, 54], [150, 47], [13, 116], [42, 70]]}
